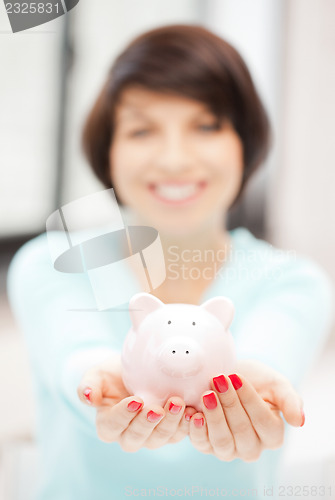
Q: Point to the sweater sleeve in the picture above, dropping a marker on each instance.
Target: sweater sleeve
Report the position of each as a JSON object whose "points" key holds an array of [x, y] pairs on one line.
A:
{"points": [[288, 318], [64, 332]]}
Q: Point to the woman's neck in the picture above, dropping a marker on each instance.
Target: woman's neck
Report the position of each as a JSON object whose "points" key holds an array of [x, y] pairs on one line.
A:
{"points": [[201, 248], [211, 235], [192, 260]]}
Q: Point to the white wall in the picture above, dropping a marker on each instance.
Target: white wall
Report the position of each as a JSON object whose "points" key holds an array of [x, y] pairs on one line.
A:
{"points": [[256, 30], [302, 212], [28, 114]]}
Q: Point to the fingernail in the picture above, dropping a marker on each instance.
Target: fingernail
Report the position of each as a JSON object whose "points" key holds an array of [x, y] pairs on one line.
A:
{"points": [[153, 417], [236, 381], [220, 383], [134, 406], [87, 393], [187, 417], [174, 408], [198, 422], [210, 401], [302, 418]]}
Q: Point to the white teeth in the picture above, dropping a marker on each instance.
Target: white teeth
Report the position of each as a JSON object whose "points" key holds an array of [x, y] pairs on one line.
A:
{"points": [[175, 191]]}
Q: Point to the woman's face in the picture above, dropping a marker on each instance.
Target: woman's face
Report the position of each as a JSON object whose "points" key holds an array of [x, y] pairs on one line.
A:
{"points": [[171, 163]]}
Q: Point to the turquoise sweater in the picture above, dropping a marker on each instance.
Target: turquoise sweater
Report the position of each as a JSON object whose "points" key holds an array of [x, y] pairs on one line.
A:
{"points": [[283, 314]]}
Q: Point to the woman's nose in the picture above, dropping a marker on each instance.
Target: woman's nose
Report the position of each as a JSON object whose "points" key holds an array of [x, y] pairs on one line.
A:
{"points": [[174, 153]]}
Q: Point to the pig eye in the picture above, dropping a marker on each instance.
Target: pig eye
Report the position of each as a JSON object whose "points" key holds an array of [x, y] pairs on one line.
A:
{"points": [[187, 352], [193, 323], [173, 352], [169, 322]]}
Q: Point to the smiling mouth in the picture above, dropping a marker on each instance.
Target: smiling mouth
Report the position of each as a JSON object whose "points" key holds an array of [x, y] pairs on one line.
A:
{"points": [[177, 193]]}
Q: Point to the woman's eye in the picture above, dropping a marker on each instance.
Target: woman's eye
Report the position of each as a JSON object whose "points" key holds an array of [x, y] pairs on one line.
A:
{"points": [[208, 127], [139, 132]]}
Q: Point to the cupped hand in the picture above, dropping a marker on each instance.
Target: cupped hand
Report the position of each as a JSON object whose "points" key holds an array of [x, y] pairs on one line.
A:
{"points": [[123, 418], [241, 415]]}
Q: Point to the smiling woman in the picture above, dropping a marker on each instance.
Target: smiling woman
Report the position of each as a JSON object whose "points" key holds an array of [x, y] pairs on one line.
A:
{"points": [[177, 130], [181, 62]]}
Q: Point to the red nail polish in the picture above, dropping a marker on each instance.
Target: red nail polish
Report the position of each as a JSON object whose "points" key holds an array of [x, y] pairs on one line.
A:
{"points": [[174, 409], [87, 393], [187, 417], [210, 401], [220, 383], [153, 417], [198, 422], [302, 418], [236, 381], [134, 406]]}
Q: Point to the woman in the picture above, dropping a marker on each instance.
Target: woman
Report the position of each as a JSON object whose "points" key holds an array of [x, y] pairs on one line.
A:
{"points": [[177, 131]]}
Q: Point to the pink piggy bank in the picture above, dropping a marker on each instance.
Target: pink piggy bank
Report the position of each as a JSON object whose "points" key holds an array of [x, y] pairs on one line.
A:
{"points": [[175, 349]]}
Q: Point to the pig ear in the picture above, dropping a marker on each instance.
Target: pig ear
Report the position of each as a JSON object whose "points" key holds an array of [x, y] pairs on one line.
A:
{"points": [[222, 308], [140, 305]]}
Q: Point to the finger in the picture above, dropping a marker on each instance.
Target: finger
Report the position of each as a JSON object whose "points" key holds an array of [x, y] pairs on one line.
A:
{"points": [[189, 412], [199, 434], [90, 388], [288, 402], [167, 427], [111, 421], [261, 426], [247, 442], [184, 425], [140, 428], [220, 435]]}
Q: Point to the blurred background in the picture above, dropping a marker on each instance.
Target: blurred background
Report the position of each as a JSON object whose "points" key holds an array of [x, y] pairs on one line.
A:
{"points": [[50, 76]]}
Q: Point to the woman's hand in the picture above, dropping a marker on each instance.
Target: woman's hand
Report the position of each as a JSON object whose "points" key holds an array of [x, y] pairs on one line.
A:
{"points": [[122, 418], [241, 416]]}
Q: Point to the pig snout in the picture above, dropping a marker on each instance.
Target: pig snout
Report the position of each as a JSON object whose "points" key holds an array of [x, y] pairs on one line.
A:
{"points": [[180, 357]]}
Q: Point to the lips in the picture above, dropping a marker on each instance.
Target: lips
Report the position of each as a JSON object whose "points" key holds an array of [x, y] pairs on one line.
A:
{"points": [[177, 193]]}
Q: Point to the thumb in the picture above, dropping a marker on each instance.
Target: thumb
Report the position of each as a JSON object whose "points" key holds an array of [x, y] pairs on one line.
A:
{"points": [[289, 402]]}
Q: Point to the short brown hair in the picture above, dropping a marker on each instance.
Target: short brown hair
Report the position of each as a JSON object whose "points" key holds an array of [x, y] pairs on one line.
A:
{"points": [[192, 62]]}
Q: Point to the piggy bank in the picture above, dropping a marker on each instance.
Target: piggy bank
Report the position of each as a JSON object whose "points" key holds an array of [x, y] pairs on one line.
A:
{"points": [[175, 349]]}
